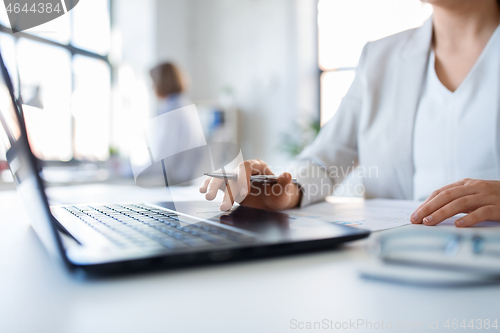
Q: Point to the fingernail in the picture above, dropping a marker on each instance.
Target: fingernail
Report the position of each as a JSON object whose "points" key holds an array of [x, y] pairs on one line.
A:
{"points": [[243, 192], [414, 217], [428, 219], [224, 206], [459, 223]]}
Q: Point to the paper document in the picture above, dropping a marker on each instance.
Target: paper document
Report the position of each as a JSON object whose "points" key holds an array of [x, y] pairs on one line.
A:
{"points": [[373, 215]]}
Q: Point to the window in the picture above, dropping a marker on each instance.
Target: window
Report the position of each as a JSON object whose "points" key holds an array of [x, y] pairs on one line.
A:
{"points": [[344, 27], [65, 80]]}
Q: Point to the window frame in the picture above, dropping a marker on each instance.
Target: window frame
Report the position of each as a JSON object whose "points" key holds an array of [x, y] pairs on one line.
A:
{"points": [[73, 51], [425, 11], [322, 71]]}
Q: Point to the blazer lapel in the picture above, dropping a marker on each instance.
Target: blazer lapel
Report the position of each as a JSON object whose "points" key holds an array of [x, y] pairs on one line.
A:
{"points": [[411, 74]]}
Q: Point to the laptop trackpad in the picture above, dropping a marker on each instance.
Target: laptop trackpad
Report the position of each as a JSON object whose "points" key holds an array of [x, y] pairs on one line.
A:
{"points": [[267, 225]]}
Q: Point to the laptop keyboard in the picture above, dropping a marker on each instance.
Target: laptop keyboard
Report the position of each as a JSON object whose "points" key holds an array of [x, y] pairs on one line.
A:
{"points": [[149, 227]]}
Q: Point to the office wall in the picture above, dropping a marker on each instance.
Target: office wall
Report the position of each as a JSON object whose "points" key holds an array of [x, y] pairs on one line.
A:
{"points": [[262, 50], [173, 28]]}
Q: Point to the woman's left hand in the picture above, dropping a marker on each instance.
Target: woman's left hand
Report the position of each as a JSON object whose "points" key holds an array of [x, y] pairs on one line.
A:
{"points": [[479, 199]]}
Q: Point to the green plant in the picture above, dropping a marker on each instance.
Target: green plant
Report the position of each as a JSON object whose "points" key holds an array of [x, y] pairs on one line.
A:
{"points": [[113, 151], [299, 136]]}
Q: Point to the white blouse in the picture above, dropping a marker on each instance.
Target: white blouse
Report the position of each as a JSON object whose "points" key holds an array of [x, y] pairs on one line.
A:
{"points": [[455, 133]]}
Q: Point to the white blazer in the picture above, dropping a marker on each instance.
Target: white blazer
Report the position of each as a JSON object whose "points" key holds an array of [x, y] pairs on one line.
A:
{"points": [[373, 127]]}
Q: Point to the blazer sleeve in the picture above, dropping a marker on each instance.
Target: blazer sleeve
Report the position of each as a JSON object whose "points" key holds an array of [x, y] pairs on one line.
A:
{"points": [[334, 153]]}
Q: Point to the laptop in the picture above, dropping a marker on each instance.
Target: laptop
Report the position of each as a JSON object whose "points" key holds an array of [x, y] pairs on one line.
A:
{"points": [[121, 237]]}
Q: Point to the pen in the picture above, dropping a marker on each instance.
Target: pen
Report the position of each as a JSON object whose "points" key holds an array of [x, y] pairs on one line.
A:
{"points": [[271, 179]]}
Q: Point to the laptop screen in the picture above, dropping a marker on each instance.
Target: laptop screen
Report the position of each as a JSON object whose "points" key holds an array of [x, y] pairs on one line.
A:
{"points": [[8, 115], [23, 165]]}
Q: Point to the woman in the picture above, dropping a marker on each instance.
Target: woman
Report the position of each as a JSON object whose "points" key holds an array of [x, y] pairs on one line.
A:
{"points": [[423, 111], [169, 87]]}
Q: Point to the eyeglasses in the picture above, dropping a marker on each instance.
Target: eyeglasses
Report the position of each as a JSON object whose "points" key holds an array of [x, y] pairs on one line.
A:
{"points": [[464, 252]]}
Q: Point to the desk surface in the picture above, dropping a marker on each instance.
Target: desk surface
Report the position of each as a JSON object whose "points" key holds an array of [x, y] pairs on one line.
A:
{"points": [[37, 295]]}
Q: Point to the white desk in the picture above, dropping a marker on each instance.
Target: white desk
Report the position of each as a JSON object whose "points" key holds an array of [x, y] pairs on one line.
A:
{"points": [[36, 295]]}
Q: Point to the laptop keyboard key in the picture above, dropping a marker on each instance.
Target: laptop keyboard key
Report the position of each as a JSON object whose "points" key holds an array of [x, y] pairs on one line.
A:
{"points": [[149, 227]]}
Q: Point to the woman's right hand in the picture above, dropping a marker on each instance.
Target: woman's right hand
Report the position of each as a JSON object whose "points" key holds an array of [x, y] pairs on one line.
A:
{"points": [[282, 195]]}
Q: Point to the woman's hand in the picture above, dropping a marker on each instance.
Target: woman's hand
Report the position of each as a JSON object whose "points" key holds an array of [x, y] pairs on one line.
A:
{"points": [[480, 199], [281, 195]]}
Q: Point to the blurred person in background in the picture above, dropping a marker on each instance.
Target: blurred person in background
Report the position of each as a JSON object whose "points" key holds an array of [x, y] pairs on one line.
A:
{"points": [[170, 86], [424, 109]]}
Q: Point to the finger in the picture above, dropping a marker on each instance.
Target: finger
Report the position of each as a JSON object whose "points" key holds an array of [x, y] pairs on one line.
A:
{"points": [[284, 179], [281, 191], [435, 193], [213, 186], [484, 213], [443, 198], [204, 185], [244, 172], [259, 167], [228, 199], [460, 205]]}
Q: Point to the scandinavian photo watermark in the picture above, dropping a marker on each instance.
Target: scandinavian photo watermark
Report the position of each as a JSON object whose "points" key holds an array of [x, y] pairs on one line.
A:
{"points": [[322, 181]]}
